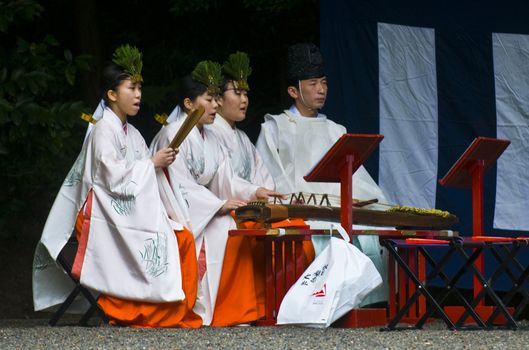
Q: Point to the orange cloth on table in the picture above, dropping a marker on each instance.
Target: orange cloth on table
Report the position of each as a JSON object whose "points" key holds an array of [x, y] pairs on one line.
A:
{"points": [[299, 223], [152, 315], [287, 223]]}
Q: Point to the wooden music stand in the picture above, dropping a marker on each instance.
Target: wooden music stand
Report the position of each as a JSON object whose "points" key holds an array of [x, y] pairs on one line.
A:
{"points": [[469, 171], [339, 164]]}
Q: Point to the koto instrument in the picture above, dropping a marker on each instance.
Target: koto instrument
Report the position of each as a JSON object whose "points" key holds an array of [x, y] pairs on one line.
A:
{"points": [[269, 213], [186, 127]]}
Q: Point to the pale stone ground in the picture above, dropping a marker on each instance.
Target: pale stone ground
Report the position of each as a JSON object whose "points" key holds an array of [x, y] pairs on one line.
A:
{"points": [[35, 334]]}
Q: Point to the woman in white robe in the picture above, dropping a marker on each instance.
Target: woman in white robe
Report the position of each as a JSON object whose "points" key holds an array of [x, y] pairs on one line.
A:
{"points": [[233, 105], [202, 173], [128, 246]]}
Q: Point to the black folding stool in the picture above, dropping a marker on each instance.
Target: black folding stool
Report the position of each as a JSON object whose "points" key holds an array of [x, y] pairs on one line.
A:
{"points": [[487, 281], [517, 273], [396, 249], [65, 259], [435, 301]]}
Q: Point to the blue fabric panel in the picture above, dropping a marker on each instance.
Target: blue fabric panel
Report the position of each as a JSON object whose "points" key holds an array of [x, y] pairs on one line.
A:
{"points": [[466, 101], [350, 49]]}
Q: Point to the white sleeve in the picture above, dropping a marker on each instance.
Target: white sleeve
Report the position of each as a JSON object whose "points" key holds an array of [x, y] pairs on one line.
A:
{"points": [[226, 184], [267, 146], [261, 175], [113, 171], [202, 204]]}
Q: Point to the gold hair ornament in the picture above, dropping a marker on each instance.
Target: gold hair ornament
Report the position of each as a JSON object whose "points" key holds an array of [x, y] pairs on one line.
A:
{"points": [[88, 118], [161, 118]]}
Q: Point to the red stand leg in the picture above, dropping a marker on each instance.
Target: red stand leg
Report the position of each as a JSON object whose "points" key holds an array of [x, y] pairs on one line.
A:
{"points": [[477, 216], [477, 171], [290, 271], [269, 319], [298, 244], [357, 317], [279, 272], [346, 194]]}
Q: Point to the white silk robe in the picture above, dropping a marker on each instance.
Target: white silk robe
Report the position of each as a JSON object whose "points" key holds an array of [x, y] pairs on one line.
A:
{"points": [[290, 146], [244, 158], [202, 173], [131, 251]]}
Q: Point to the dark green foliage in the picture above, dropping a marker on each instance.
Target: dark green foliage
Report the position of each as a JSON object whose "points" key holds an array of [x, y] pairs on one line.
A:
{"points": [[37, 114], [21, 9], [272, 6]]}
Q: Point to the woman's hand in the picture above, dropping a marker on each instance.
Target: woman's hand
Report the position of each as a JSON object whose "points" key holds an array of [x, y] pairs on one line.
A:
{"points": [[264, 193], [164, 157], [230, 205]]}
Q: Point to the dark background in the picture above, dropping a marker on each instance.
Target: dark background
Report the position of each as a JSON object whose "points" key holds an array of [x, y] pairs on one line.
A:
{"points": [[51, 53]]}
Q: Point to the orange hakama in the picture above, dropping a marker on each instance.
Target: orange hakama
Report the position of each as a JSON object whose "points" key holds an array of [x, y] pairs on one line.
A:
{"points": [[153, 315]]}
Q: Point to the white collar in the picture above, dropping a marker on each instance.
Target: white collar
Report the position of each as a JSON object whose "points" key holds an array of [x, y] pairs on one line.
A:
{"points": [[112, 118], [295, 111], [177, 114], [223, 123]]}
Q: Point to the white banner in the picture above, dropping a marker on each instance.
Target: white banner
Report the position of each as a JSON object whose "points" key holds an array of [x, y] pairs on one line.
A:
{"points": [[408, 114], [511, 76]]}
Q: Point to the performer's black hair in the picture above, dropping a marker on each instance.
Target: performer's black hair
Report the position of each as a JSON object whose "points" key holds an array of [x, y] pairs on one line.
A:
{"points": [[112, 76], [225, 81], [189, 88]]}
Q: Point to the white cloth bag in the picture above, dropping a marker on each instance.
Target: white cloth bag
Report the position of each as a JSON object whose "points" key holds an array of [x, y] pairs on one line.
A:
{"points": [[336, 282]]}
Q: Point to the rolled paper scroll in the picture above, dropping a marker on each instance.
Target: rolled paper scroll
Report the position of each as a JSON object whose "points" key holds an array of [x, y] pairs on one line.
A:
{"points": [[188, 124]]}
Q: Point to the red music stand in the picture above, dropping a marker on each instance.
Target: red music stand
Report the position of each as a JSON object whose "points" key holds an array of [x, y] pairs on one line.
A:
{"points": [[339, 164], [469, 171]]}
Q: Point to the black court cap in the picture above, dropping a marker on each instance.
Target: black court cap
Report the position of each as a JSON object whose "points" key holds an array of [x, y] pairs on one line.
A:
{"points": [[304, 62]]}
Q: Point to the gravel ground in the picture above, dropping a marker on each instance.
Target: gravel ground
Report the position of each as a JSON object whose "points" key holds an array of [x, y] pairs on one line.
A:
{"points": [[35, 334]]}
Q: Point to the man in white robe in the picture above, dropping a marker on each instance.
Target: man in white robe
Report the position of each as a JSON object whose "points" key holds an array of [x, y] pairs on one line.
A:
{"points": [[294, 141]]}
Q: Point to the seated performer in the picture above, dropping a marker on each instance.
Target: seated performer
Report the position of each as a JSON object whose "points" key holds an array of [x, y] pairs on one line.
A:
{"points": [[233, 105], [142, 262], [203, 174], [291, 143]]}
